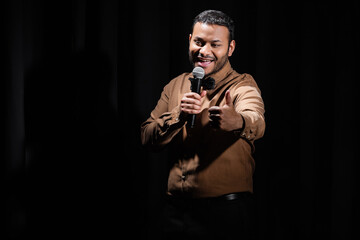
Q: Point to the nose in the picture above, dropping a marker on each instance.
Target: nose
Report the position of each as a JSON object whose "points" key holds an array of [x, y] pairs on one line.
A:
{"points": [[205, 50]]}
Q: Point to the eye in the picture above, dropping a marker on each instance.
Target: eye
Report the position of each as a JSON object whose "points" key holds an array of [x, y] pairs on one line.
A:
{"points": [[198, 42], [214, 45]]}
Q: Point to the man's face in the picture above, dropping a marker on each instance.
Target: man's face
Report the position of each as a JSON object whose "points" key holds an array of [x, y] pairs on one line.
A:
{"points": [[209, 47]]}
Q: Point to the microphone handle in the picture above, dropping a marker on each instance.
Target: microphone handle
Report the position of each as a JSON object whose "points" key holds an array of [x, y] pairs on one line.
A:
{"points": [[193, 117], [195, 87]]}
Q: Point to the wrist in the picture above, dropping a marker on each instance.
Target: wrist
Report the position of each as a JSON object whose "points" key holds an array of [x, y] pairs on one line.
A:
{"points": [[239, 123]]}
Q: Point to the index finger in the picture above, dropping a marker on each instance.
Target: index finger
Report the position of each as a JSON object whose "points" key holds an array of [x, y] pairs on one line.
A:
{"points": [[193, 95]]}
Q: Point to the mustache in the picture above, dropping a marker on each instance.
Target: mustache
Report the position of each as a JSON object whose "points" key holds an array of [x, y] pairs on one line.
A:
{"points": [[199, 55], [196, 56]]}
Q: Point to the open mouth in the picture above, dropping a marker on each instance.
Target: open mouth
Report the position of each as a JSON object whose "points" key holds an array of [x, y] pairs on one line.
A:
{"points": [[204, 62]]}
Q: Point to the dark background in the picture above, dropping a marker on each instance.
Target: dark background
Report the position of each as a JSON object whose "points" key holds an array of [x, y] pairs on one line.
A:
{"points": [[81, 76]]}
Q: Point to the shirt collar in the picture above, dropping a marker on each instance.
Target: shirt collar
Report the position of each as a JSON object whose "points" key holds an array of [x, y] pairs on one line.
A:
{"points": [[220, 76]]}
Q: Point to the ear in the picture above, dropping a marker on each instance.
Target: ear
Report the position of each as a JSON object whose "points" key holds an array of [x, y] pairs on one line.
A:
{"points": [[231, 48]]}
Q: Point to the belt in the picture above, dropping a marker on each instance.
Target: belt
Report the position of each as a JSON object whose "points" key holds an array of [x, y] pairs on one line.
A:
{"points": [[234, 196], [219, 199]]}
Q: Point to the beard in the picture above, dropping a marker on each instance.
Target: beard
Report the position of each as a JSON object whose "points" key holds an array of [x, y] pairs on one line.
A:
{"points": [[219, 62]]}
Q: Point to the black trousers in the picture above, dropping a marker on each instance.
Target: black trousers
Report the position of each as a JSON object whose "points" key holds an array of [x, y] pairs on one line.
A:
{"points": [[210, 218]]}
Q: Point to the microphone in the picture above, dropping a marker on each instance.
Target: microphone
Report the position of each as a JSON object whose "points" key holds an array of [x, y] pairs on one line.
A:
{"points": [[198, 74]]}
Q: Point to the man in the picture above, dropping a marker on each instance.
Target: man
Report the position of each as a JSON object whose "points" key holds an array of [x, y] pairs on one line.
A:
{"points": [[211, 165]]}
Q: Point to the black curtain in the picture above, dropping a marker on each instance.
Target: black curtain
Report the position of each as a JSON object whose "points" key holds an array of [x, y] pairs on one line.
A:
{"points": [[79, 77]]}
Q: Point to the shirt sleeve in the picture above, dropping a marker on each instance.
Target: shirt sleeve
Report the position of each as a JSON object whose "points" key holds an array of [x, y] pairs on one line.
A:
{"points": [[250, 105], [163, 124]]}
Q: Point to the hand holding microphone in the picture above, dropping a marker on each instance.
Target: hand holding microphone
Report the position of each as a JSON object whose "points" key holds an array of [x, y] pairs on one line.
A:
{"points": [[191, 102]]}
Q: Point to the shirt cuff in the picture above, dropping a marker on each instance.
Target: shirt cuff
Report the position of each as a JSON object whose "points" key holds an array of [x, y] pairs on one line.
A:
{"points": [[247, 131], [172, 120]]}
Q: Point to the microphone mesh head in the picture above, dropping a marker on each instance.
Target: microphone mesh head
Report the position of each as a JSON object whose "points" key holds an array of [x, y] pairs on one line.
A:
{"points": [[198, 72]]}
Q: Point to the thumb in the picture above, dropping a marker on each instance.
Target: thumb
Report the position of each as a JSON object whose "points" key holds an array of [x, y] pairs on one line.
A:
{"points": [[228, 100], [203, 93]]}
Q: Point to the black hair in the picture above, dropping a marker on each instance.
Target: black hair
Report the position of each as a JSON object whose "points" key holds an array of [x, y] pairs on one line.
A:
{"points": [[218, 18]]}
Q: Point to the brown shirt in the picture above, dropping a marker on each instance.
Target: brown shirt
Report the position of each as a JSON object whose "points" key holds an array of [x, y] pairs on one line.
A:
{"points": [[208, 162]]}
